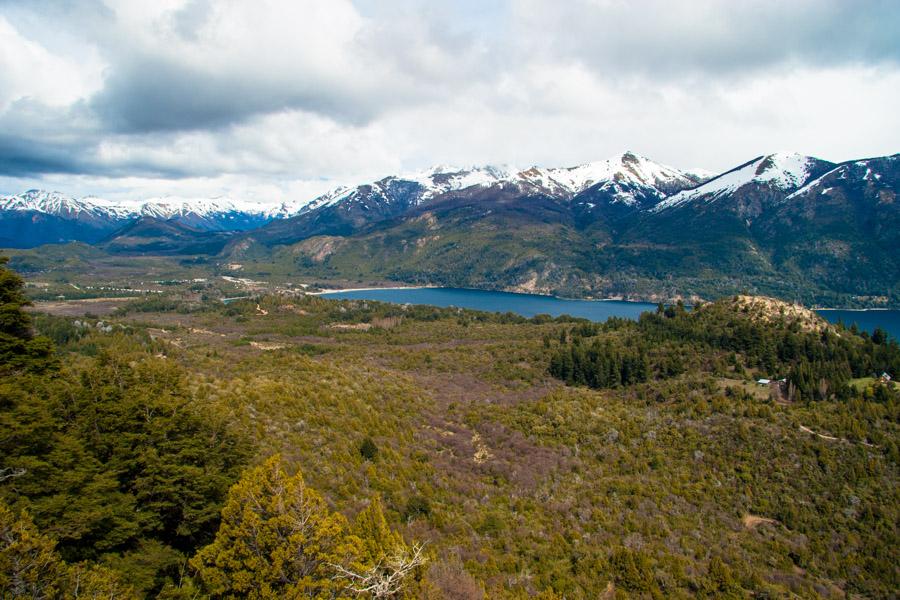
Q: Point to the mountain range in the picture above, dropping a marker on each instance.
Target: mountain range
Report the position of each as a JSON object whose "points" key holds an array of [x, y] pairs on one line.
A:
{"points": [[39, 217], [785, 224]]}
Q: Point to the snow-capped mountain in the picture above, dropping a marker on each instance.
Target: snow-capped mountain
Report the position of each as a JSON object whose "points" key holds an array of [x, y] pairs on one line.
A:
{"points": [[605, 190], [866, 172], [37, 217], [604, 194], [781, 221], [61, 205], [620, 176], [414, 188], [595, 229], [628, 179], [210, 214], [623, 177], [778, 173]]}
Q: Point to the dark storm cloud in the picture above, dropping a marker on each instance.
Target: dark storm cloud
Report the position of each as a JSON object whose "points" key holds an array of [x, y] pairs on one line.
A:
{"points": [[29, 157], [23, 157], [38, 139], [153, 94]]}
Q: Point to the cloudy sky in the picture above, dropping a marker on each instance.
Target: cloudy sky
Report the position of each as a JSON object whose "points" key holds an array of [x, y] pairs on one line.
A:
{"points": [[282, 99]]}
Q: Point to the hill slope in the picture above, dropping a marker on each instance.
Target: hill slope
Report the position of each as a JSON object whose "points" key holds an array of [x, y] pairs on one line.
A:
{"points": [[764, 226], [149, 235]]}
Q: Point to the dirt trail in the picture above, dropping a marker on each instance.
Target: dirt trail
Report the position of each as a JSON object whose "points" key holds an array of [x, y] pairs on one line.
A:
{"points": [[806, 429], [752, 521], [831, 438]]}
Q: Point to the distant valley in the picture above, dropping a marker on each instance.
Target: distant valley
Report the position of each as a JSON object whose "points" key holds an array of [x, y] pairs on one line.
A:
{"points": [[786, 225]]}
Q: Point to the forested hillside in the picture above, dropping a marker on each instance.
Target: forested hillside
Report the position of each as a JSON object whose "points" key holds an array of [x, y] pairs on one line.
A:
{"points": [[291, 446]]}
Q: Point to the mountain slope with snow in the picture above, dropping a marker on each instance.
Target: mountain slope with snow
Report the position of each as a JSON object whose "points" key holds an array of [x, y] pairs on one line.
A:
{"points": [[605, 189], [621, 227], [780, 173], [843, 224], [628, 181], [38, 217]]}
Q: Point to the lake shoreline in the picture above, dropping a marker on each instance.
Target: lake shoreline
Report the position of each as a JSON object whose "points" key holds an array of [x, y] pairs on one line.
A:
{"points": [[368, 289], [818, 308], [529, 305], [328, 291]]}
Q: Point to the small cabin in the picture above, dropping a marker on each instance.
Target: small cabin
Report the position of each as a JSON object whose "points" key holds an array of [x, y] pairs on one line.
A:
{"points": [[885, 377], [763, 381]]}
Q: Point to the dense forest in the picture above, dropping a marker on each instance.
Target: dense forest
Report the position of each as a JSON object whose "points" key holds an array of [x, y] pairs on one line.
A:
{"points": [[288, 447], [814, 362]]}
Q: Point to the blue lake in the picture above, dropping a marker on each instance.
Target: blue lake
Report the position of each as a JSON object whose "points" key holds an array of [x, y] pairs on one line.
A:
{"points": [[867, 320], [529, 305]]}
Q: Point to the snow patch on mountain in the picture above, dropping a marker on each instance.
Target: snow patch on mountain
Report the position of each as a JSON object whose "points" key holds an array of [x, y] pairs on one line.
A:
{"points": [[55, 203], [783, 171], [443, 179], [625, 177], [844, 171], [619, 175], [167, 207], [622, 175]]}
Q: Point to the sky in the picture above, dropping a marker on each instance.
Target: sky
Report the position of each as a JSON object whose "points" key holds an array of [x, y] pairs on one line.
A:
{"points": [[276, 100]]}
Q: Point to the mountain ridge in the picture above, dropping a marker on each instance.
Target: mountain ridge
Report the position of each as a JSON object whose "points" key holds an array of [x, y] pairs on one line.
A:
{"points": [[618, 238], [225, 214], [782, 224]]}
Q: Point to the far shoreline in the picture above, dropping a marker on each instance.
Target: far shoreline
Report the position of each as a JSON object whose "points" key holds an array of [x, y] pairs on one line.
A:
{"points": [[441, 287], [564, 298], [367, 289]]}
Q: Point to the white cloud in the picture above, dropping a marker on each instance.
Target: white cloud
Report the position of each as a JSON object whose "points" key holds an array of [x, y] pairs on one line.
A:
{"points": [[194, 97], [29, 70]]}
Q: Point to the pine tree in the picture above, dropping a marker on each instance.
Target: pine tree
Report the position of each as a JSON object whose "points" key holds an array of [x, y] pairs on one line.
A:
{"points": [[31, 568], [277, 539], [377, 540], [386, 568], [19, 349]]}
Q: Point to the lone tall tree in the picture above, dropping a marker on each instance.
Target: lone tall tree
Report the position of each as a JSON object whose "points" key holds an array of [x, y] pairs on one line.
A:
{"points": [[19, 349], [277, 539]]}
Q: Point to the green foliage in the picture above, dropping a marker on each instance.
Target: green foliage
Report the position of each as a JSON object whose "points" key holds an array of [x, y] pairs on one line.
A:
{"points": [[817, 364], [600, 365], [417, 506], [377, 540], [368, 450], [689, 480], [117, 460], [31, 568], [633, 571], [19, 349], [278, 539]]}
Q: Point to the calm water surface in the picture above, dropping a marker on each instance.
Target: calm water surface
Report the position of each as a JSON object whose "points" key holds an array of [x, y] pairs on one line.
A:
{"points": [[529, 305]]}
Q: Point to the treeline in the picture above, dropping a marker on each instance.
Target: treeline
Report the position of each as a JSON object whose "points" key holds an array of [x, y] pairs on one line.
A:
{"points": [[818, 364], [600, 364]]}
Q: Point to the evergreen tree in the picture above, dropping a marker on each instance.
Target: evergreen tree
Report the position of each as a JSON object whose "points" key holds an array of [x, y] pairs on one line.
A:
{"points": [[31, 568], [277, 539], [29, 565], [19, 349]]}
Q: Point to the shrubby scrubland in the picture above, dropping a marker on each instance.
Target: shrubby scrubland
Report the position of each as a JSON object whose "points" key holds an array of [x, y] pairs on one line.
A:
{"points": [[296, 447]]}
